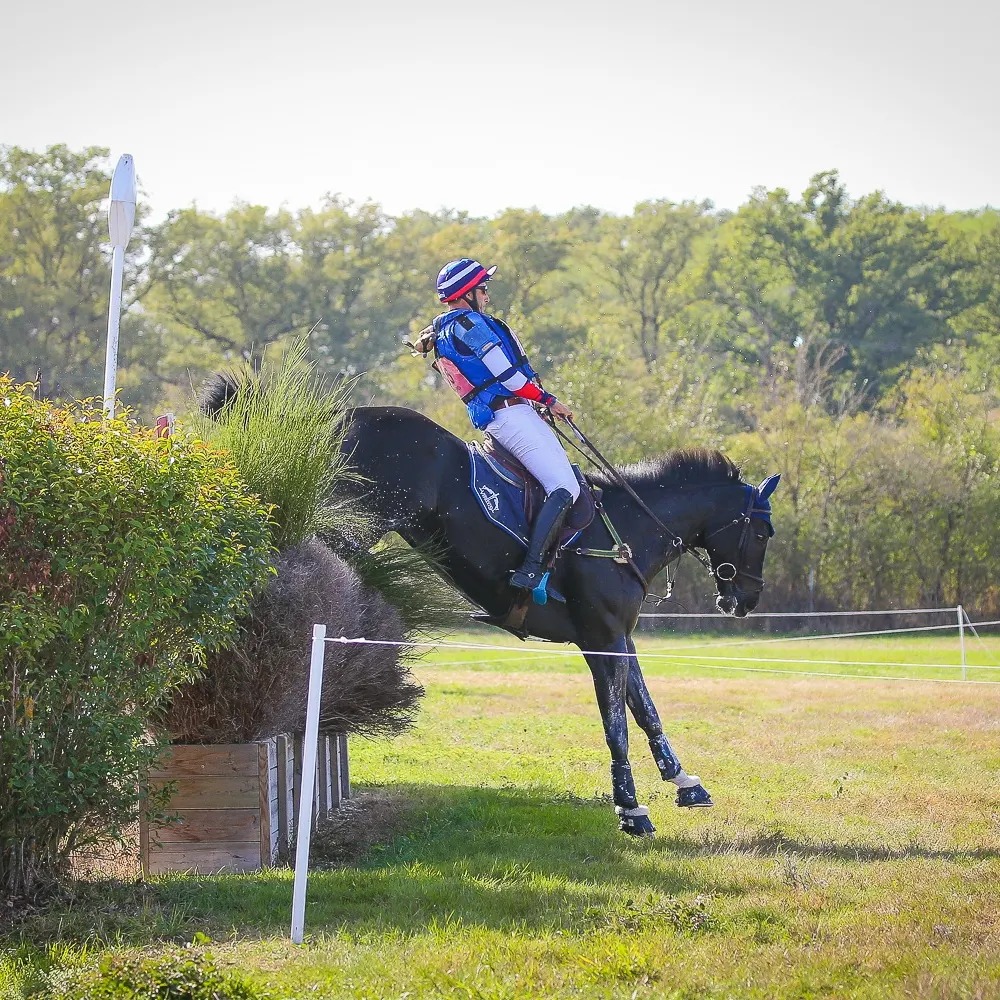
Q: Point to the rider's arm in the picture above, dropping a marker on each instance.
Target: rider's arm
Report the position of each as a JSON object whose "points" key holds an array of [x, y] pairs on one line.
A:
{"points": [[480, 337], [511, 379]]}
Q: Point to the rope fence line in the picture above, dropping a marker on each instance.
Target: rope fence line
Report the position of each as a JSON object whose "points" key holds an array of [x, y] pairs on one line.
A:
{"points": [[850, 677], [701, 659], [794, 614], [833, 635], [832, 663]]}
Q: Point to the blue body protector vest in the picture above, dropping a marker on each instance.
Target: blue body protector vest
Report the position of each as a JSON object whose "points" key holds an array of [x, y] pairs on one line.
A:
{"points": [[463, 337]]}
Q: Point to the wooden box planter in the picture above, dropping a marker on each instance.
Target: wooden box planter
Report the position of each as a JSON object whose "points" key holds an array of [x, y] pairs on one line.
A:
{"points": [[236, 804]]}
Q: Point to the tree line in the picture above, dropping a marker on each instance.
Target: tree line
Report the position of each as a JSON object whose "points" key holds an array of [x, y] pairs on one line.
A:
{"points": [[850, 343]]}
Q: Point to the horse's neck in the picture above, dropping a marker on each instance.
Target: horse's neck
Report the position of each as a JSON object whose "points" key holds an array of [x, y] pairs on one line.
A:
{"points": [[681, 511]]}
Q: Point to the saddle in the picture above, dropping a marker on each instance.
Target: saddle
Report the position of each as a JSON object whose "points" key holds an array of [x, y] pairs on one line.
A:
{"points": [[510, 497], [532, 495]]}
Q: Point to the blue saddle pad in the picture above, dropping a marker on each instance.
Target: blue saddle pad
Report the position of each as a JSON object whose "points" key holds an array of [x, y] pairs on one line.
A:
{"points": [[501, 496]]}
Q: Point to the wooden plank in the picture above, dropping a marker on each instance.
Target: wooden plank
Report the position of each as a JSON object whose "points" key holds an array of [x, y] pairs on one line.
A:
{"points": [[208, 859], [198, 826], [144, 845], [324, 780], [226, 758], [284, 783], [268, 771], [216, 792], [297, 776], [335, 796], [345, 773], [275, 820]]}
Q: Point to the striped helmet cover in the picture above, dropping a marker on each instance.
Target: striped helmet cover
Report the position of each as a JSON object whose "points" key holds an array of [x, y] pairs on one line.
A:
{"points": [[460, 276]]}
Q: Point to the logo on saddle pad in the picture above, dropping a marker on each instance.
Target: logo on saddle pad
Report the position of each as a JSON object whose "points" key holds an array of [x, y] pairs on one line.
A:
{"points": [[490, 499]]}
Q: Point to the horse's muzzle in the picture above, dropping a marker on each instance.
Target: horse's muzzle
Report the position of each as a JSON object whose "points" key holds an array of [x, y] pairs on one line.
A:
{"points": [[735, 602]]}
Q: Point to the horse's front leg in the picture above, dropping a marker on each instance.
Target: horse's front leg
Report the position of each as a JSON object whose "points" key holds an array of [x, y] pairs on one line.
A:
{"points": [[690, 791], [610, 670]]}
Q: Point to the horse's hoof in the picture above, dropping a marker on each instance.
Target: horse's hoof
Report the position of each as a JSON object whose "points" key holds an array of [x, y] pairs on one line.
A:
{"points": [[635, 822], [695, 796]]}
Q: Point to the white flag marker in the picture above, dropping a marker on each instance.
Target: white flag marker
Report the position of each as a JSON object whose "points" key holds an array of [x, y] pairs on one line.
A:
{"points": [[121, 217]]}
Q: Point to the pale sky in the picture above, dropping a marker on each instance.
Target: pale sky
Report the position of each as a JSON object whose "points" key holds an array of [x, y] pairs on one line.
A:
{"points": [[516, 103]]}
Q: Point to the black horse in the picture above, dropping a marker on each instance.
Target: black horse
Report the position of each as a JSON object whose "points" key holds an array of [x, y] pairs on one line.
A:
{"points": [[416, 481], [417, 484]]}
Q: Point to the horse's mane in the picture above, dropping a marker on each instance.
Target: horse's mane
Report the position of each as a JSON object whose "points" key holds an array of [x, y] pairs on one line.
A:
{"points": [[686, 466]]}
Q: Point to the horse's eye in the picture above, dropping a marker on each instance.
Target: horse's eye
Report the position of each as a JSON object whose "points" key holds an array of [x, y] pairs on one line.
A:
{"points": [[761, 536]]}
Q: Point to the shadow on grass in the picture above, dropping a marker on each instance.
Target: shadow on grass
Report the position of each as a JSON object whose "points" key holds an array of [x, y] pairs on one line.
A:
{"points": [[497, 858]]}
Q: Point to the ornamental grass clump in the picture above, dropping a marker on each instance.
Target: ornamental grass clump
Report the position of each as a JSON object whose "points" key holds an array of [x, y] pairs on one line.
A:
{"points": [[283, 427], [123, 559]]}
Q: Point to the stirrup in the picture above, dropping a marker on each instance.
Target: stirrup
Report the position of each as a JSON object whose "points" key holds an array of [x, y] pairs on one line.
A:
{"points": [[541, 591], [544, 591]]}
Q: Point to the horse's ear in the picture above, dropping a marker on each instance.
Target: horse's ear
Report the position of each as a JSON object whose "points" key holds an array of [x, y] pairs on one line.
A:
{"points": [[767, 487]]}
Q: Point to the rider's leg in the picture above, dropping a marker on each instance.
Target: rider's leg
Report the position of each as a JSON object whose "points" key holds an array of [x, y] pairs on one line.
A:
{"points": [[544, 535], [530, 439], [523, 432]]}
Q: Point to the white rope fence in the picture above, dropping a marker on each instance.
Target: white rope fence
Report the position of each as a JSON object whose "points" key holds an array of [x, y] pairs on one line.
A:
{"points": [[796, 614], [650, 655]]}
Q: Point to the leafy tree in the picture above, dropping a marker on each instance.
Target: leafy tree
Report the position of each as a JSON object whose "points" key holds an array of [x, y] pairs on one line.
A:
{"points": [[869, 280], [340, 248], [228, 285], [640, 262]]}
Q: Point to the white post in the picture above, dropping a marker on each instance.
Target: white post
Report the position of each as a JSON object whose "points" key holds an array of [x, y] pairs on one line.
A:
{"points": [[307, 788], [961, 638], [121, 216]]}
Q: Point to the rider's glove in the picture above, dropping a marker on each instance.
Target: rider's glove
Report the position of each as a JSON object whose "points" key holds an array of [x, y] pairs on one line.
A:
{"points": [[425, 341]]}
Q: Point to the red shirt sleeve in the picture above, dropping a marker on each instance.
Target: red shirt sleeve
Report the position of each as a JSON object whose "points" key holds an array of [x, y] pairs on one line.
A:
{"points": [[531, 391]]}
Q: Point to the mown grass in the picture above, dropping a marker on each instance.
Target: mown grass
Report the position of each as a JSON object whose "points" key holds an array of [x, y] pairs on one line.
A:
{"points": [[854, 850]]}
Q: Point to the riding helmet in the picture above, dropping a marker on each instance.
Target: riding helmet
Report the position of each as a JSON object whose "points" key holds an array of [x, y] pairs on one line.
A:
{"points": [[460, 276]]}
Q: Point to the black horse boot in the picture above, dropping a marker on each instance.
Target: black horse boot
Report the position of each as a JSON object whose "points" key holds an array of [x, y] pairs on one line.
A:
{"points": [[544, 535]]}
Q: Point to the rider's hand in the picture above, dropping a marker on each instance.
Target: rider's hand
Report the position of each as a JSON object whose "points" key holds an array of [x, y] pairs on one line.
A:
{"points": [[425, 340], [561, 410]]}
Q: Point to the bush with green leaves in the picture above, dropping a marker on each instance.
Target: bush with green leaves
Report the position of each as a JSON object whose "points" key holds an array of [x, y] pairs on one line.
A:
{"points": [[123, 557]]}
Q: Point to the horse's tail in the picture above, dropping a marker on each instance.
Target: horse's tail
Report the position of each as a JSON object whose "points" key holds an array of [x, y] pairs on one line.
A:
{"points": [[218, 391]]}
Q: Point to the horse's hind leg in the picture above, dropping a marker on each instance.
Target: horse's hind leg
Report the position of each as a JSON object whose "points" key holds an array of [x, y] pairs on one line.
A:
{"points": [[690, 791], [610, 672]]}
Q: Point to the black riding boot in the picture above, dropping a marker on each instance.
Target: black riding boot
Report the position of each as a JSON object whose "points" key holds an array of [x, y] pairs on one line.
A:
{"points": [[544, 534]]}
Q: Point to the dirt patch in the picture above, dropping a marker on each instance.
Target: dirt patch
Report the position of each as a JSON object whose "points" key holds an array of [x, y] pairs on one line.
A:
{"points": [[369, 819]]}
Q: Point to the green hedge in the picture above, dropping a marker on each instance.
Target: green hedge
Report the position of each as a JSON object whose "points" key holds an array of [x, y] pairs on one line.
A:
{"points": [[121, 556]]}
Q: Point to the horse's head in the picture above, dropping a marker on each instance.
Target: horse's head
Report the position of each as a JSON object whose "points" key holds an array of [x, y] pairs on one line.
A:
{"points": [[736, 549]]}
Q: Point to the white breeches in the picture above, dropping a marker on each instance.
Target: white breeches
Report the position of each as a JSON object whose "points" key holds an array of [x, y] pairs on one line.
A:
{"points": [[522, 431]]}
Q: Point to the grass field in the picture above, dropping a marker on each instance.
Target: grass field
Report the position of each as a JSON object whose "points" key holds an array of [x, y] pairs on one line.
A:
{"points": [[854, 850]]}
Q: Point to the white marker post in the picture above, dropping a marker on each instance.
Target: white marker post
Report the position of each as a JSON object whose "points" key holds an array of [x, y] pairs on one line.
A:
{"points": [[961, 640], [121, 217], [308, 786]]}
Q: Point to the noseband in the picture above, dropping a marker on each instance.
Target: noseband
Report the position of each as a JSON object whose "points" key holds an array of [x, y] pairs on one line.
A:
{"points": [[727, 572]]}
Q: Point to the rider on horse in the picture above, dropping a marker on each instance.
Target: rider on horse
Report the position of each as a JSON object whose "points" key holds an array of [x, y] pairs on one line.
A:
{"points": [[484, 362]]}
